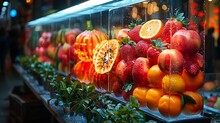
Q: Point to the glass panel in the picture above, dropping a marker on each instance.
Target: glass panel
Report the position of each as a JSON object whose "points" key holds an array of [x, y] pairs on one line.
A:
{"points": [[168, 58]]}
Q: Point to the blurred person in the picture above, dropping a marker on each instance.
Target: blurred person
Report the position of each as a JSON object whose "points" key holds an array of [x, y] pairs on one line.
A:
{"points": [[13, 37], [3, 49], [209, 51]]}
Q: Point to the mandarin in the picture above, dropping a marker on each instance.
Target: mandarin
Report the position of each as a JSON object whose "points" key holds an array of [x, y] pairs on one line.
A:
{"points": [[190, 108], [140, 94], [170, 105], [153, 96], [173, 84], [193, 83], [155, 76]]}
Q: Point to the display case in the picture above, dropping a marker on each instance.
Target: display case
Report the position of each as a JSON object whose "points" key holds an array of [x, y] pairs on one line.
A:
{"points": [[150, 49]]}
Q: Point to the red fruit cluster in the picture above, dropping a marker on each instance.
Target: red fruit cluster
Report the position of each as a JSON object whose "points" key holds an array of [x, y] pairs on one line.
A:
{"points": [[44, 40]]}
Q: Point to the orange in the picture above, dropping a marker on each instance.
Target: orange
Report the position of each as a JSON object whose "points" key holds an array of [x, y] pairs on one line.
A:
{"points": [[170, 105], [155, 76], [105, 55], [153, 96], [193, 83], [173, 84], [209, 85], [152, 29], [190, 108], [140, 94]]}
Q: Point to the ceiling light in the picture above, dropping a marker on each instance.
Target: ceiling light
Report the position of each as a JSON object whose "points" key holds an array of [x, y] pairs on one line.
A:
{"points": [[5, 3], [4, 9]]}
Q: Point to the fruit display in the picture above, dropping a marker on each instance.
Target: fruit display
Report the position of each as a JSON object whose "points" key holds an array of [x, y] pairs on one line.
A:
{"points": [[161, 66], [156, 59], [43, 48]]}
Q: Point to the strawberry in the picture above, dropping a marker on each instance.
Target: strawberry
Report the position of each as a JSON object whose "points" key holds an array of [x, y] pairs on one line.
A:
{"points": [[134, 33], [134, 30], [123, 70], [173, 25], [192, 67], [154, 51], [142, 47], [127, 50]]}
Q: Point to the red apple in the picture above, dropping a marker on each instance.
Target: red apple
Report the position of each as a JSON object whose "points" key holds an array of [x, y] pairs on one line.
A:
{"points": [[42, 51], [140, 71], [117, 88], [199, 58], [65, 59], [70, 36], [124, 70], [51, 51], [171, 61], [44, 40], [122, 33], [73, 55], [41, 41], [44, 35], [186, 41], [60, 53], [126, 94]]}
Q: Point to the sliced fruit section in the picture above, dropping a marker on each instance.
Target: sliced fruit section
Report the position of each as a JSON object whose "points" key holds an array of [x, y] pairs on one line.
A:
{"points": [[152, 29], [105, 56], [86, 42]]}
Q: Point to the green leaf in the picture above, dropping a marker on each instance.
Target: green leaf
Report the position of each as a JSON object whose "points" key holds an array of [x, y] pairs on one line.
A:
{"points": [[102, 113], [180, 15], [127, 87], [133, 24], [69, 90], [158, 44], [127, 40], [118, 106], [52, 84], [187, 99], [62, 85], [133, 102]]}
